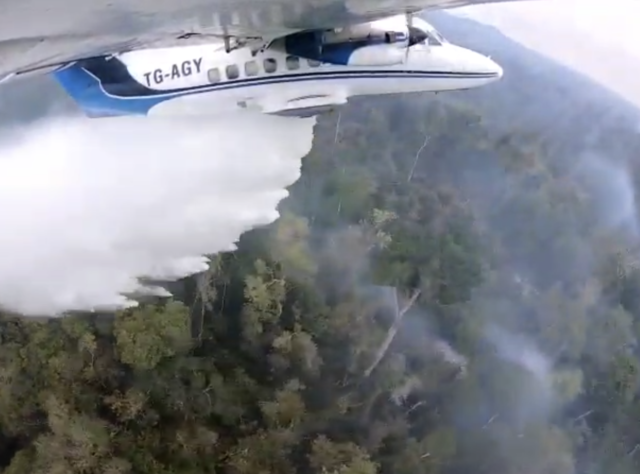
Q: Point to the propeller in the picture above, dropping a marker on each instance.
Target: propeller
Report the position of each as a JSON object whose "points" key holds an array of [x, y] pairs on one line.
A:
{"points": [[415, 35], [409, 21]]}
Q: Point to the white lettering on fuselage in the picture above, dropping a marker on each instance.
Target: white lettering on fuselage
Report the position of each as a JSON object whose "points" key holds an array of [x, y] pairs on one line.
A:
{"points": [[176, 71]]}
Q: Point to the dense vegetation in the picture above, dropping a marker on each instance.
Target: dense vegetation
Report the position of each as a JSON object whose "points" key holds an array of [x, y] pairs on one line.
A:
{"points": [[439, 297]]}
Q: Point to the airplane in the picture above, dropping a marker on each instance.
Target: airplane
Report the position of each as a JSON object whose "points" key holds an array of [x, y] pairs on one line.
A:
{"points": [[39, 36], [301, 74]]}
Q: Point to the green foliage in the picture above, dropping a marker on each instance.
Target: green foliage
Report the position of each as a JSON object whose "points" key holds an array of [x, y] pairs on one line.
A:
{"points": [[407, 314], [145, 336]]}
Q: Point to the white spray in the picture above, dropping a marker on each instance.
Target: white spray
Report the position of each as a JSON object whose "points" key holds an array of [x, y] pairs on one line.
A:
{"points": [[88, 206]]}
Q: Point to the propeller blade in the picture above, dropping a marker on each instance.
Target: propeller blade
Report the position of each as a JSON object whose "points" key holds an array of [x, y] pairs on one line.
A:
{"points": [[409, 18]]}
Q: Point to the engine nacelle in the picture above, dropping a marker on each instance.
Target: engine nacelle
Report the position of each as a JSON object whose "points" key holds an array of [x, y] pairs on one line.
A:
{"points": [[372, 50], [373, 55], [378, 43]]}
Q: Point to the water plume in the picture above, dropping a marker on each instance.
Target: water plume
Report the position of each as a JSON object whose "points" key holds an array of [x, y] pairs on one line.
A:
{"points": [[89, 206]]}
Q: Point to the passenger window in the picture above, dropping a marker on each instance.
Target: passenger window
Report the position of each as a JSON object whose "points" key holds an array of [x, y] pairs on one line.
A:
{"points": [[232, 72], [213, 75], [313, 63], [293, 63], [251, 68], [270, 65]]}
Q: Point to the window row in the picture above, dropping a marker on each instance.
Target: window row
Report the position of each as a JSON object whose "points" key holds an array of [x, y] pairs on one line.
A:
{"points": [[253, 68]]}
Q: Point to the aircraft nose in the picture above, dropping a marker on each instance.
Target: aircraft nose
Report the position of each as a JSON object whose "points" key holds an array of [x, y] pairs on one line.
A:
{"points": [[481, 63], [466, 60], [495, 68]]}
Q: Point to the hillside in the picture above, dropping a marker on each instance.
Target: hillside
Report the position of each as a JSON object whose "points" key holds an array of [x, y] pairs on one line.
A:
{"points": [[452, 288], [534, 87]]}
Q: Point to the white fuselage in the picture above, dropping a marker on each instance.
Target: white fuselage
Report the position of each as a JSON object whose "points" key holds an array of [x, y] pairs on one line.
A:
{"points": [[205, 79]]}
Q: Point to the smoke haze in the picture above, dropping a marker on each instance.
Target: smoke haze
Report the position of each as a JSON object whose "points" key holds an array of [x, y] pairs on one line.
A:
{"points": [[599, 39]]}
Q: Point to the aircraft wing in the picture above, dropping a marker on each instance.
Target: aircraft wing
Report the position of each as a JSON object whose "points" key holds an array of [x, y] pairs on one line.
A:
{"points": [[38, 36]]}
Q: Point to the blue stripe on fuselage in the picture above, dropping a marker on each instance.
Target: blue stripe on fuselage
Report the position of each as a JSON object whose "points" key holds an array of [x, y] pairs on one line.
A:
{"points": [[124, 96]]}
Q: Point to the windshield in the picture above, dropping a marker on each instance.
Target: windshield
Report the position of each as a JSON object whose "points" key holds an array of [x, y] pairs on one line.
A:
{"points": [[434, 38]]}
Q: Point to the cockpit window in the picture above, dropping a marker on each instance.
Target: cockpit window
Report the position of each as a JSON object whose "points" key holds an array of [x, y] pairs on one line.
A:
{"points": [[435, 38], [432, 40]]}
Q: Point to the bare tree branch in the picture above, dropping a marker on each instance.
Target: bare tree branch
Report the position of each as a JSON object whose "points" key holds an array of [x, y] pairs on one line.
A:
{"points": [[491, 420], [393, 330], [415, 162], [584, 415], [335, 138]]}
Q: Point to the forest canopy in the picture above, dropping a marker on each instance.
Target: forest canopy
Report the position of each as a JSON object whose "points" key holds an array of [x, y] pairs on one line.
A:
{"points": [[438, 297]]}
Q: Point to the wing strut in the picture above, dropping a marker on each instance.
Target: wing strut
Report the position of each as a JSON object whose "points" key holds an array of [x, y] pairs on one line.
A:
{"points": [[227, 40]]}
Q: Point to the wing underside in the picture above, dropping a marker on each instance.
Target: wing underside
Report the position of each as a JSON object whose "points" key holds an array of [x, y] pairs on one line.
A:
{"points": [[36, 36]]}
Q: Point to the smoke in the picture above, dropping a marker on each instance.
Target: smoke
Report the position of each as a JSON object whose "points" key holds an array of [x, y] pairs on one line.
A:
{"points": [[613, 194], [535, 394], [89, 206], [596, 38], [520, 351]]}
